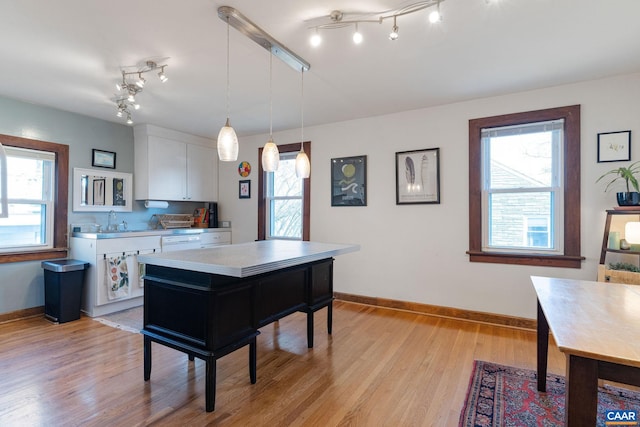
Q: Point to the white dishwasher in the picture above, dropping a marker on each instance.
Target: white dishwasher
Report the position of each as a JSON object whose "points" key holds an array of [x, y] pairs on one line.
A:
{"points": [[180, 242]]}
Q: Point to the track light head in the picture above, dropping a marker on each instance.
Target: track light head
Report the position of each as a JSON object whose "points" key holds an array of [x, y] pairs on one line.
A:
{"points": [[393, 35], [316, 40], [141, 81], [163, 77], [357, 36]]}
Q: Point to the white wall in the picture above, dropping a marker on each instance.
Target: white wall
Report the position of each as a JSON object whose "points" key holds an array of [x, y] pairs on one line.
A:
{"points": [[417, 252]]}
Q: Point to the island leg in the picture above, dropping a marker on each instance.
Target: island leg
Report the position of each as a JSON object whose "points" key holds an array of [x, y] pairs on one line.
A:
{"points": [[543, 349], [310, 329], [329, 317], [252, 360], [210, 384], [147, 358]]}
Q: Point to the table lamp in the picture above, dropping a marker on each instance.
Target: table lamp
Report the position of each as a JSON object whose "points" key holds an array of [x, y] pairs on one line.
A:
{"points": [[632, 234]]}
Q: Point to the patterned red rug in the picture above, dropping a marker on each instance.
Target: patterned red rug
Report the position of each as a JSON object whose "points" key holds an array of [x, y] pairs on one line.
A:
{"points": [[505, 396]]}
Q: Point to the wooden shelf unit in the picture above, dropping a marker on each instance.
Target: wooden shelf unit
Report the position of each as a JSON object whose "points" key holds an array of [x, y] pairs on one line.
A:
{"points": [[630, 210]]}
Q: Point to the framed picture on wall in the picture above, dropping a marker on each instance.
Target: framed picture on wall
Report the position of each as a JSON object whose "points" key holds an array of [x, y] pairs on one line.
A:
{"points": [[614, 146], [349, 181], [103, 159], [244, 190], [418, 176]]}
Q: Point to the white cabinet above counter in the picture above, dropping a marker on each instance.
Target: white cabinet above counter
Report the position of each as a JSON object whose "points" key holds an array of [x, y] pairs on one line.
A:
{"points": [[174, 166]]}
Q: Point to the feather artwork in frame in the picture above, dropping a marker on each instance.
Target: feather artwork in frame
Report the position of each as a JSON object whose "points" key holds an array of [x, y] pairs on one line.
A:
{"points": [[418, 176], [410, 171]]}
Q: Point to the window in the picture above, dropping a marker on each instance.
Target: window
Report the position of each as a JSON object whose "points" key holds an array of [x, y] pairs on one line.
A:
{"points": [[37, 186], [284, 199], [524, 188]]}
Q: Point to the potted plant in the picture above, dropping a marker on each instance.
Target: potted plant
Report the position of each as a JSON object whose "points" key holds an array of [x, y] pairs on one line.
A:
{"points": [[628, 198]]}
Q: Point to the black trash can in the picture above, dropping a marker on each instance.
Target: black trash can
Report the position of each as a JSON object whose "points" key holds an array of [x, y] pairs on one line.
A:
{"points": [[63, 279]]}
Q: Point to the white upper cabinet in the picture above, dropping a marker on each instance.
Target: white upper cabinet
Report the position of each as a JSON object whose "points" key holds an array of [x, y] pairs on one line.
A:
{"points": [[174, 166]]}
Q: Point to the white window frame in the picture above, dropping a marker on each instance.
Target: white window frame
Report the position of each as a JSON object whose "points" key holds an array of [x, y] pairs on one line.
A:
{"points": [[556, 189], [4, 203], [270, 199], [47, 201]]}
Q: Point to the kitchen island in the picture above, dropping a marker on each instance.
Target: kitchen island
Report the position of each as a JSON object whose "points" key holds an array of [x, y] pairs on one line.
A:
{"points": [[210, 302]]}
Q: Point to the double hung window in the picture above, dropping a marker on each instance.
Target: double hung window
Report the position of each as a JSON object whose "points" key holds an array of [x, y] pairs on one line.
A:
{"points": [[34, 182], [31, 211], [284, 200], [524, 188]]}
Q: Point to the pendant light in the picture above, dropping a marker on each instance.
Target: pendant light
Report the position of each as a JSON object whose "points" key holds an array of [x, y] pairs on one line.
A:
{"points": [[227, 138], [270, 153], [303, 166]]}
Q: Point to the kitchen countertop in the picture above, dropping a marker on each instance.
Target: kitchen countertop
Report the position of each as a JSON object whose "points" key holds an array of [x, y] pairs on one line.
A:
{"points": [[140, 233], [248, 259]]}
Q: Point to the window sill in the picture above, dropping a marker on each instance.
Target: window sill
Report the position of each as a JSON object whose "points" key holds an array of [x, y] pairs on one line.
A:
{"points": [[33, 256], [565, 261]]}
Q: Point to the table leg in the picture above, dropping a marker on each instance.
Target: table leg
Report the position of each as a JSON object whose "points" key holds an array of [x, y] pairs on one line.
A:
{"points": [[210, 384], [543, 349], [147, 358], [329, 317], [581, 399]]}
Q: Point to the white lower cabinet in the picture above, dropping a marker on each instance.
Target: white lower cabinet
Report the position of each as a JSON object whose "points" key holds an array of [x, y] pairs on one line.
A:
{"points": [[112, 281]]}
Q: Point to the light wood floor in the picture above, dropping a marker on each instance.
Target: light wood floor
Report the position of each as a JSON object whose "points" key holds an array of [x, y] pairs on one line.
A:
{"points": [[380, 367]]}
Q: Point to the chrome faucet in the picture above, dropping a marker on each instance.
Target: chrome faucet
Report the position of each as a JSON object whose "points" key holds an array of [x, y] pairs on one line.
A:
{"points": [[111, 222]]}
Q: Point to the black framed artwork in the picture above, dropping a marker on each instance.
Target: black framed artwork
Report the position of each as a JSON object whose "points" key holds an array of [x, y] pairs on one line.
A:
{"points": [[244, 189], [614, 146], [349, 181], [418, 176], [103, 159]]}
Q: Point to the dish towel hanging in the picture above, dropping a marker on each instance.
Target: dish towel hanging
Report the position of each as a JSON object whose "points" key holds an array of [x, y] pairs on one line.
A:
{"points": [[136, 270], [117, 276]]}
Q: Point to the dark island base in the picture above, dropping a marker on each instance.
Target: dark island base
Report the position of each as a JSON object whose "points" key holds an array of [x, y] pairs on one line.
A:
{"points": [[209, 316]]}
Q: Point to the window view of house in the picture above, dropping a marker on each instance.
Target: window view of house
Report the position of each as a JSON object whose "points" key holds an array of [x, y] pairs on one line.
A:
{"points": [[523, 187], [31, 180]]}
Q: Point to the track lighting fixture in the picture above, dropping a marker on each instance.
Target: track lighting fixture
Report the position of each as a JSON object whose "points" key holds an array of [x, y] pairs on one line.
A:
{"points": [[227, 139], [128, 89], [339, 19]]}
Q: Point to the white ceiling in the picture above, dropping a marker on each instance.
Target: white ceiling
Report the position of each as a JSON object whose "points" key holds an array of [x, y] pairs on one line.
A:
{"points": [[68, 54]]}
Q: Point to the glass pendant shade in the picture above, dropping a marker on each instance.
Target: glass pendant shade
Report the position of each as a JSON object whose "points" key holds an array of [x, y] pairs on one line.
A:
{"points": [[227, 144], [303, 167], [270, 156]]}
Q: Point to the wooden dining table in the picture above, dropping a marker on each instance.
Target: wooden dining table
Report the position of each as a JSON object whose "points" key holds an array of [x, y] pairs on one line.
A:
{"points": [[597, 326]]}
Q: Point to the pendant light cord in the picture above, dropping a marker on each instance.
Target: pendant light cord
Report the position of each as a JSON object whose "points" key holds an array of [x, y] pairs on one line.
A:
{"points": [[228, 68], [302, 109], [270, 95]]}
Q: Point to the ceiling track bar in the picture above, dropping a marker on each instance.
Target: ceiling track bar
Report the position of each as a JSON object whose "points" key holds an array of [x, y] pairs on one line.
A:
{"points": [[258, 35]]}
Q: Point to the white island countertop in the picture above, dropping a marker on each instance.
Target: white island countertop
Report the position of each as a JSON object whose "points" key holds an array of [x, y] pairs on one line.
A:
{"points": [[248, 259]]}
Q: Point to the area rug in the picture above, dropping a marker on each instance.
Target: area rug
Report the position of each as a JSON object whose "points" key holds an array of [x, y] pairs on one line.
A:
{"points": [[128, 320], [505, 396]]}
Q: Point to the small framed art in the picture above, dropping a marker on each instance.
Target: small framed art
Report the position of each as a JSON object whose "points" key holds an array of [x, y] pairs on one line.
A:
{"points": [[614, 146], [103, 159], [418, 176], [244, 189]]}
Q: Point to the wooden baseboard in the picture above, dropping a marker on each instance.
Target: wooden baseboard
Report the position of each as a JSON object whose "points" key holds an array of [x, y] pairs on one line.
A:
{"points": [[434, 310], [21, 314]]}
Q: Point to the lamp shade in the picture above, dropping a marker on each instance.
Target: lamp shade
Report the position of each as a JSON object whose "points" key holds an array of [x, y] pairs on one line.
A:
{"points": [[270, 156], [632, 232], [303, 167], [227, 144]]}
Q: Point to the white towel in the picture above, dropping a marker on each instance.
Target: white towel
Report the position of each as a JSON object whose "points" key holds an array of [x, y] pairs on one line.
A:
{"points": [[117, 277], [136, 270]]}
